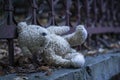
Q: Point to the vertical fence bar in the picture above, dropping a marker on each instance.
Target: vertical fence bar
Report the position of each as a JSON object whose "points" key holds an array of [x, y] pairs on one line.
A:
{"points": [[87, 13], [52, 13], [34, 12], [87, 20], [78, 12], [108, 14], [112, 10], [51, 4], [95, 19], [9, 11], [67, 15], [78, 6], [95, 13], [11, 51], [10, 41], [103, 12]]}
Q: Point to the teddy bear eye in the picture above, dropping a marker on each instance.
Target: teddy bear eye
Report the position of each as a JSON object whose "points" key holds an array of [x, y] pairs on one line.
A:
{"points": [[44, 34]]}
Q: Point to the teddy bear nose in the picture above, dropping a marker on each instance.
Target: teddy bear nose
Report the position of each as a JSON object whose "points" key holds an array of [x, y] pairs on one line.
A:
{"points": [[44, 34]]}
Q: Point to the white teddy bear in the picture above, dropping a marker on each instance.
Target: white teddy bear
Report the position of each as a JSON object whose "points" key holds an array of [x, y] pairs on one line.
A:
{"points": [[56, 50]]}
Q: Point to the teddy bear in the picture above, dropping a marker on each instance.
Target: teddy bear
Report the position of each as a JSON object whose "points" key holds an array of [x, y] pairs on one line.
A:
{"points": [[55, 49]]}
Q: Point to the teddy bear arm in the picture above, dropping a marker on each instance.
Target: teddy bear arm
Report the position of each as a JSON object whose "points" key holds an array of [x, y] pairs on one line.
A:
{"points": [[57, 60], [58, 29]]}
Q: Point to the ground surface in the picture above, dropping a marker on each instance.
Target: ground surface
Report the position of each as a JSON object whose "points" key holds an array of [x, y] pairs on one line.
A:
{"points": [[100, 57], [101, 67]]}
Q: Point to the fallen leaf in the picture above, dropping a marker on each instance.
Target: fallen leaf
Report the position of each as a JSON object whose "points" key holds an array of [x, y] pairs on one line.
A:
{"points": [[2, 73], [23, 60], [3, 53], [48, 73], [92, 52], [44, 68], [101, 50], [114, 46], [30, 66], [12, 69], [86, 46], [105, 37], [21, 78]]}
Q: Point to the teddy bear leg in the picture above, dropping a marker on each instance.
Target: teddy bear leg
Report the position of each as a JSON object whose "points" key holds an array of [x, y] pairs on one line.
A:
{"points": [[51, 58], [77, 37], [26, 52], [77, 59]]}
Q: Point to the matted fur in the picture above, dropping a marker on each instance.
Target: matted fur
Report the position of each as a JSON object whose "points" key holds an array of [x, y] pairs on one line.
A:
{"points": [[56, 50]]}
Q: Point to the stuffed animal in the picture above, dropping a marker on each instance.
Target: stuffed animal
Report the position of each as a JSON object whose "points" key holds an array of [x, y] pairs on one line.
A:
{"points": [[55, 49]]}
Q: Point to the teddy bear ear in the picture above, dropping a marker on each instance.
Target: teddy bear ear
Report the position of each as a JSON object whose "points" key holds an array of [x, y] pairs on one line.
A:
{"points": [[21, 25]]}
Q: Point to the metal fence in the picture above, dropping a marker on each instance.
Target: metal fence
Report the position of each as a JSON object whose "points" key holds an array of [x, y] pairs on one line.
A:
{"points": [[99, 16]]}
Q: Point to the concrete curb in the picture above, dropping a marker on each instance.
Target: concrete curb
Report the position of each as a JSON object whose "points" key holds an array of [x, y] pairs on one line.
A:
{"points": [[101, 67]]}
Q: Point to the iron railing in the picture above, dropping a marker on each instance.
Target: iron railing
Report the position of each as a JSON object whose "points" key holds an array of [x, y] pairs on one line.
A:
{"points": [[99, 16]]}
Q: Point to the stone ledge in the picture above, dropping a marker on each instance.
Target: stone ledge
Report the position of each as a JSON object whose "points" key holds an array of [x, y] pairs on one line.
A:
{"points": [[101, 67]]}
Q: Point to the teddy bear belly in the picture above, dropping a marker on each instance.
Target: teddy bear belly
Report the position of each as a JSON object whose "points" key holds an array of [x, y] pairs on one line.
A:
{"points": [[61, 50], [61, 46]]}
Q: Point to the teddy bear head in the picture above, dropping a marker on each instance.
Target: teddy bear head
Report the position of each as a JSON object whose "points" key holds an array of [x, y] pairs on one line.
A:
{"points": [[39, 35]]}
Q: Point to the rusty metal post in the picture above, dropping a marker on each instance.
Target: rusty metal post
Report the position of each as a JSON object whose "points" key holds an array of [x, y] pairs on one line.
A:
{"points": [[11, 51], [9, 11], [10, 41]]}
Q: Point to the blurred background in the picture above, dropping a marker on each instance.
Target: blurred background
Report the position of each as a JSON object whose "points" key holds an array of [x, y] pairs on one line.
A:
{"points": [[100, 17]]}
